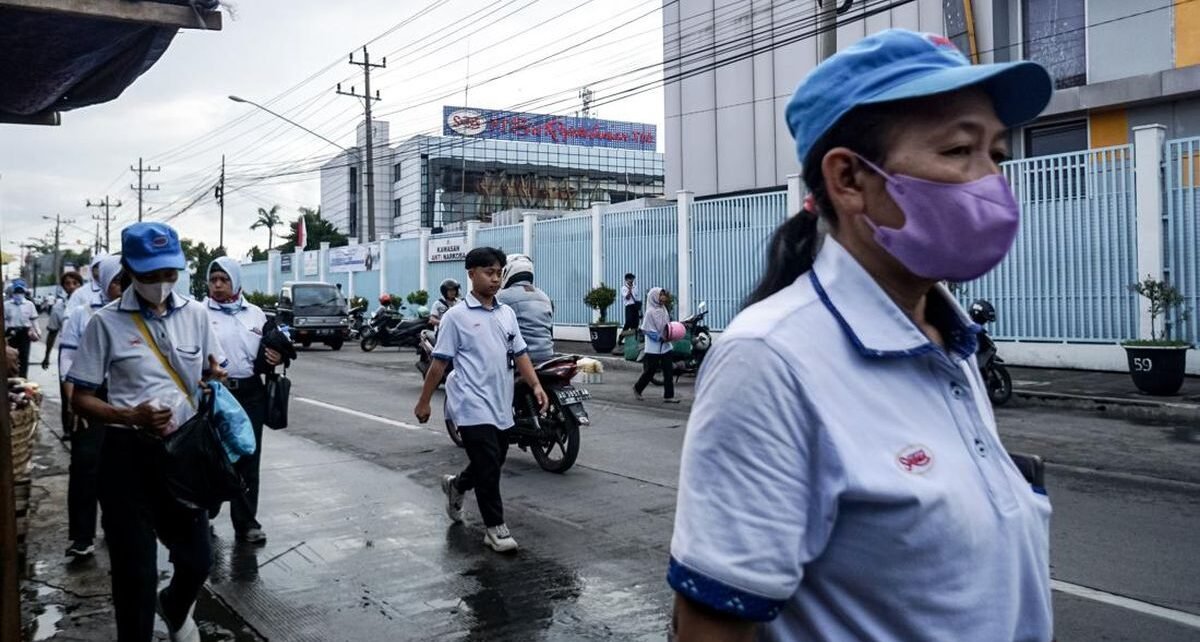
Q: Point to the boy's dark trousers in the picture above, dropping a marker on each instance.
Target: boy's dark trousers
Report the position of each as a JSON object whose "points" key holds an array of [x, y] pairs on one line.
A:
{"points": [[487, 448]]}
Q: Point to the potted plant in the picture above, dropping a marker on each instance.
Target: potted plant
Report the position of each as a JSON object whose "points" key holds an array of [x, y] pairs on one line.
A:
{"points": [[420, 297], [603, 333], [1158, 365]]}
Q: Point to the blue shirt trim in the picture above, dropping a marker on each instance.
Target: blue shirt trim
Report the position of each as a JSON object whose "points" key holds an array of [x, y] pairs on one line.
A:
{"points": [[719, 596], [1041, 490], [83, 384], [67, 346], [443, 357], [858, 344], [962, 340], [517, 354]]}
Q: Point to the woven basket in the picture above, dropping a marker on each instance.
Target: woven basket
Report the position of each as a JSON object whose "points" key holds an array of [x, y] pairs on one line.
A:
{"points": [[24, 436]]}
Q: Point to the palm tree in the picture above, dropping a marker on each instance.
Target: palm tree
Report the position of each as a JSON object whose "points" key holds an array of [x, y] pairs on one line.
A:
{"points": [[270, 220]]}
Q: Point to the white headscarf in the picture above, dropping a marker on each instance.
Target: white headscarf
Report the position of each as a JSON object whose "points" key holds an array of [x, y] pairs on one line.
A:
{"points": [[110, 268], [657, 317], [231, 267]]}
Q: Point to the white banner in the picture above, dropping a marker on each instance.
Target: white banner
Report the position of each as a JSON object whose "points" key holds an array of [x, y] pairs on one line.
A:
{"points": [[353, 258], [448, 249]]}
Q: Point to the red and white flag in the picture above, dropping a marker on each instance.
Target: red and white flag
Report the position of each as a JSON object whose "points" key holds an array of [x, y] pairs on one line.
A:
{"points": [[301, 234]]}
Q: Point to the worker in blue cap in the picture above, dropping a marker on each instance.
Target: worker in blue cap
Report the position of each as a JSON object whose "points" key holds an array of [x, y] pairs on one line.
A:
{"points": [[20, 323], [842, 477], [155, 348]]}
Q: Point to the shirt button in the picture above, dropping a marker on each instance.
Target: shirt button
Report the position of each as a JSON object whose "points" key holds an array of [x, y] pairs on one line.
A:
{"points": [[957, 391]]}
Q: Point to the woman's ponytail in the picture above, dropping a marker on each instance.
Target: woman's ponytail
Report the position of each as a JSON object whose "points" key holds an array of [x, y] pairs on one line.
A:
{"points": [[790, 254]]}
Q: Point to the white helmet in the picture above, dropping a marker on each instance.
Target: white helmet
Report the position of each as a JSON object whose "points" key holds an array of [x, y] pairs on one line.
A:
{"points": [[517, 264]]}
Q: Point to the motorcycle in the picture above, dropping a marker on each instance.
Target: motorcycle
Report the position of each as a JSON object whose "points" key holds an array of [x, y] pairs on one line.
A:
{"points": [[358, 321], [389, 328], [425, 346], [991, 367], [554, 437]]}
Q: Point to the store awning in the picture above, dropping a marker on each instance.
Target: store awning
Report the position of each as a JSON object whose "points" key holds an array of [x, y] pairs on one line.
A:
{"points": [[59, 55]]}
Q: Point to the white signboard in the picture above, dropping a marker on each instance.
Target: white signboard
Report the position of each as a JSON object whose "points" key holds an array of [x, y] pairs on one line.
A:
{"points": [[353, 258], [448, 249], [311, 267]]}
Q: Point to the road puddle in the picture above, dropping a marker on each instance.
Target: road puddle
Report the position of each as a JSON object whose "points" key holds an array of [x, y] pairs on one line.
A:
{"points": [[45, 626]]}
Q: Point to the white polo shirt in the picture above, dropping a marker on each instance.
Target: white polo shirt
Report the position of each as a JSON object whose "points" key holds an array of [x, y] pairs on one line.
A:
{"points": [[77, 314], [19, 314], [478, 341], [842, 477], [113, 348], [239, 333]]}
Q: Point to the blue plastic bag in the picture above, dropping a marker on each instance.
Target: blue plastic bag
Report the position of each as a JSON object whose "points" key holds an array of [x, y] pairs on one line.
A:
{"points": [[233, 424]]}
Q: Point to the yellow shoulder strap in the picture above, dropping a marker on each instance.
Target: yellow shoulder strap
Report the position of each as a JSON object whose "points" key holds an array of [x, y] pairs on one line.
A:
{"points": [[162, 359]]}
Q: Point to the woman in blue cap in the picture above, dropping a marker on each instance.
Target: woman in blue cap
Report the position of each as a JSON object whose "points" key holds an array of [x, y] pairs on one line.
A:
{"points": [[842, 477], [154, 347]]}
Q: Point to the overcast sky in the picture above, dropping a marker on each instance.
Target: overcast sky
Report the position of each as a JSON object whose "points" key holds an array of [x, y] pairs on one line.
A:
{"points": [[178, 115]]}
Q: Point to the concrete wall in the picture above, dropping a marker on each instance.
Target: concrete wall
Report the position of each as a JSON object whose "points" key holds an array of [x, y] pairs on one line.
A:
{"points": [[724, 128], [335, 191], [1128, 46]]}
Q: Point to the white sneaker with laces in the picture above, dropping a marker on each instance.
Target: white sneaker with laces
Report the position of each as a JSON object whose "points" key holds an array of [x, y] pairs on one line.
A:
{"points": [[499, 539], [454, 498]]}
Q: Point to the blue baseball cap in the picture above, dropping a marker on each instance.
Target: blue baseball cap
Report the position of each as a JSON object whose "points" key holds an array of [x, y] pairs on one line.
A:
{"points": [[898, 64], [19, 285], [147, 247]]}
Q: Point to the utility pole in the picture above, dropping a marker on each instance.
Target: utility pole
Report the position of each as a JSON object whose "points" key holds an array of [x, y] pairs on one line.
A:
{"points": [[58, 223], [219, 193], [827, 11], [140, 188], [107, 218], [367, 99], [586, 97]]}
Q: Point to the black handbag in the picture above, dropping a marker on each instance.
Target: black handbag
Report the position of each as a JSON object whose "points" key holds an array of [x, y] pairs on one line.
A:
{"points": [[198, 472], [279, 392]]}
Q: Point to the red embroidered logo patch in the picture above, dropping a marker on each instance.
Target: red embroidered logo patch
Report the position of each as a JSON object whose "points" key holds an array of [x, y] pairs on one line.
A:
{"points": [[941, 41], [915, 459]]}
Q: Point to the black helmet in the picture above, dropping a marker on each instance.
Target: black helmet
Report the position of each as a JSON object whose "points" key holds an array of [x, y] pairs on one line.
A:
{"points": [[450, 284], [982, 312]]}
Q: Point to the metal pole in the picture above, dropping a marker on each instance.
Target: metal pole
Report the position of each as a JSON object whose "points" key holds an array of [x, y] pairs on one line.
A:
{"points": [[826, 29]]}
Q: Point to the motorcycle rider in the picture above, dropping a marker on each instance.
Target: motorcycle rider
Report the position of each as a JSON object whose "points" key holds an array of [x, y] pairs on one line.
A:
{"points": [[450, 289], [535, 310]]}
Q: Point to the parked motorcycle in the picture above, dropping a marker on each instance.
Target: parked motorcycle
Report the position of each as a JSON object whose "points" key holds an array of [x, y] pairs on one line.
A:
{"points": [[553, 438], [991, 366], [389, 328], [425, 345], [358, 321]]}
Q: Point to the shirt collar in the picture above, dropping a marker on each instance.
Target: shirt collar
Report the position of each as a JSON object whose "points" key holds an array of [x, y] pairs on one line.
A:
{"points": [[472, 302], [240, 302], [876, 326], [130, 303]]}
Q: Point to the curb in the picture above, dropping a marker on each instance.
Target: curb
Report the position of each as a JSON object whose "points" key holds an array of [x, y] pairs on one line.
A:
{"points": [[1125, 408]]}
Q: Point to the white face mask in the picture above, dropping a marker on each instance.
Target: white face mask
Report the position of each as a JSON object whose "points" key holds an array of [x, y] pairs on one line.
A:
{"points": [[154, 292]]}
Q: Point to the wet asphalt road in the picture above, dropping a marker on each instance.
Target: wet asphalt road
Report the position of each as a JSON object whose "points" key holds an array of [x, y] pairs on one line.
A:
{"points": [[360, 550]]}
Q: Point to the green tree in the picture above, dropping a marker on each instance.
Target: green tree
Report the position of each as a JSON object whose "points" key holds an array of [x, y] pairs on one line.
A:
{"points": [[199, 256], [269, 219], [318, 230], [256, 254]]}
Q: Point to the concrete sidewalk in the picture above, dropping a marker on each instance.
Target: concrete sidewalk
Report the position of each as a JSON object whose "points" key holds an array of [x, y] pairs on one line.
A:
{"points": [[1111, 392]]}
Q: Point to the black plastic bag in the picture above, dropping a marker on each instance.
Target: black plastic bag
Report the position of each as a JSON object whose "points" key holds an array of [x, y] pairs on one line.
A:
{"points": [[279, 392], [198, 472]]}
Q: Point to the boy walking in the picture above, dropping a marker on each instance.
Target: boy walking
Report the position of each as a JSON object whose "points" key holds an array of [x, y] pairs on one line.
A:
{"points": [[482, 339]]}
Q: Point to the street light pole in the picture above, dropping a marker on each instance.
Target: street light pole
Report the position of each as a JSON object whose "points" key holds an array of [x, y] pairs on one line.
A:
{"points": [[353, 152]]}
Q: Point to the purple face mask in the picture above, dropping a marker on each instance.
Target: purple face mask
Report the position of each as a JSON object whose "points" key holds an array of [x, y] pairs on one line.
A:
{"points": [[952, 231]]}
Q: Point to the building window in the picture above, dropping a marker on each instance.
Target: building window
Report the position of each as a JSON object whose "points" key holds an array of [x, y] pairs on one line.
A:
{"points": [[396, 173], [1059, 138], [1055, 35], [396, 208]]}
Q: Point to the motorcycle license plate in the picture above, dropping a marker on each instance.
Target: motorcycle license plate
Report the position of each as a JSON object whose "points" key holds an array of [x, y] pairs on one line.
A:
{"points": [[569, 395]]}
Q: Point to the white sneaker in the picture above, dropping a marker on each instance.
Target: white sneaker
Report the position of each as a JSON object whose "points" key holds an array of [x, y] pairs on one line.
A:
{"points": [[499, 539], [187, 632], [454, 498]]}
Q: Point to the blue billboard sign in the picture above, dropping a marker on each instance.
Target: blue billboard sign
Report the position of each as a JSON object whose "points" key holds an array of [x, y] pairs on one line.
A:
{"points": [[546, 128]]}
